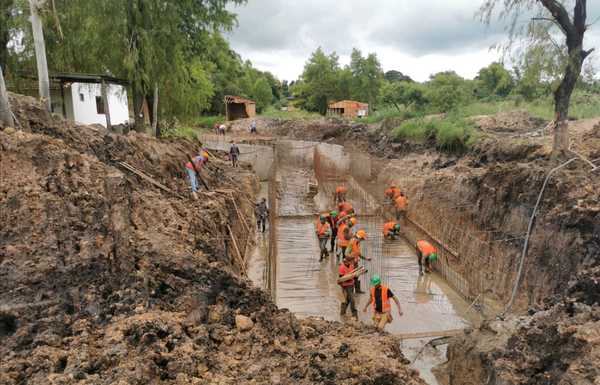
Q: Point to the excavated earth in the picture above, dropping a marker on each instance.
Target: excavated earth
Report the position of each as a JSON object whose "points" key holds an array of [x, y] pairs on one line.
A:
{"points": [[106, 279], [495, 186]]}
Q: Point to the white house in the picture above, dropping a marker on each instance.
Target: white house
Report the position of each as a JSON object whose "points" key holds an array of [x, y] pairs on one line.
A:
{"points": [[83, 103]]}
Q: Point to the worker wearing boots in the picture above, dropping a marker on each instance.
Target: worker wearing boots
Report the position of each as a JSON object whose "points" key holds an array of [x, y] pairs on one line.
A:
{"points": [[380, 302], [426, 254], [262, 214], [340, 194], [345, 234], [323, 231], [234, 154], [332, 218], [401, 205], [347, 267], [354, 251]]}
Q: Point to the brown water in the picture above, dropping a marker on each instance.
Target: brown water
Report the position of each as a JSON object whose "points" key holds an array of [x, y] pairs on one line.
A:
{"points": [[308, 287]]}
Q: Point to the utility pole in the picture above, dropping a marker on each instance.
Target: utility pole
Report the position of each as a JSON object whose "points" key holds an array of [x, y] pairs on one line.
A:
{"points": [[40, 52], [6, 117]]}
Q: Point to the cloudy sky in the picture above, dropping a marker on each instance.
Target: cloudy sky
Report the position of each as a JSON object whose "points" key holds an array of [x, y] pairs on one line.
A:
{"points": [[415, 37]]}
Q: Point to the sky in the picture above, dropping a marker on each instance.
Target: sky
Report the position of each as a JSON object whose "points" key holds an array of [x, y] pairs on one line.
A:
{"points": [[417, 38]]}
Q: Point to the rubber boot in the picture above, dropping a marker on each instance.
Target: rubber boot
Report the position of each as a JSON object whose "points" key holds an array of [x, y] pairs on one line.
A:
{"points": [[343, 307], [194, 196], [357, 287]]}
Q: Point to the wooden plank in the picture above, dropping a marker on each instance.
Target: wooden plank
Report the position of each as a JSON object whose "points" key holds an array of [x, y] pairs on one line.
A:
{"points": [[240, 258], [440, 333], [144, 176]]}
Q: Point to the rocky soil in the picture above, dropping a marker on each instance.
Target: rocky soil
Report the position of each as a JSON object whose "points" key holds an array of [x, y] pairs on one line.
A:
{"points": [[106, 279], [557, 345]]}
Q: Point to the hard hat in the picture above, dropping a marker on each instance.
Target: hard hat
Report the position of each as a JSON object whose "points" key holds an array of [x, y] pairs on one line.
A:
{"points": [[397, 227], [205, 154], [433, 257], [323, 218], [353, 221], [333, 213], [362, 234], [375, 280]]}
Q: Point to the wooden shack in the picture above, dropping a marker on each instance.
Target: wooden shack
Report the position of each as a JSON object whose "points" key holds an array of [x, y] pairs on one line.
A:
{"points": [[237, 107], [348, 109]]}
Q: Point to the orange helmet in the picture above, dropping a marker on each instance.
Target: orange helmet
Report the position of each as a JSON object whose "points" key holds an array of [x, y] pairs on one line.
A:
{"points": [[205, 154], [361, 234], [353, 221]]}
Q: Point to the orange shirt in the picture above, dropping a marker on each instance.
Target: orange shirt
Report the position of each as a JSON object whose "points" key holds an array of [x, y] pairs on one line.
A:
{"points": [[341, 190], [388, 227], [426, 248], [322, 228], [401, 202]]}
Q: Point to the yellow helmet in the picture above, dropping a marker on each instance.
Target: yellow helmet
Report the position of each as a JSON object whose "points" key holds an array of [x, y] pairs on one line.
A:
{"points": [[361, 234], [353, 221]]}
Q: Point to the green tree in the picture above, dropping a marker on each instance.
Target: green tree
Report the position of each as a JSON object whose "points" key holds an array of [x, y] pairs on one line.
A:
{"points": [[262, 93], [447, 90], [551, 18], [396, 76], [367, 77], [318, 84], [408, 94], [494, 80]]}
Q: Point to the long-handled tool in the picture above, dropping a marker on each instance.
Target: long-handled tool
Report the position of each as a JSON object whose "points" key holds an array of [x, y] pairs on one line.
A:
{"points": [[197, 172]]}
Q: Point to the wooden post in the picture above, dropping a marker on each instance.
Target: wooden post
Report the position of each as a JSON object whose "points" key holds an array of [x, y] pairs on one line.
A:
{"points": [[155, 111], [40, 53], [6, 117], [104, 92]]}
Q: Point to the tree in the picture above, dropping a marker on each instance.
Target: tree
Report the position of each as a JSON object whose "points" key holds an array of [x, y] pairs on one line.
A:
{"points": [[408, 94], [573, 27], [40, 52], [6, 7], [318, 84], [494, 80], [6, 117], [447, 90], [396, 76], [367, 77]]}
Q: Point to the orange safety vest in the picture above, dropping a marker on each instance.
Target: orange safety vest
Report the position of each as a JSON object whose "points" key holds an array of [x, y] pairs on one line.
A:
{"points": [[385, 301], [345, 271], [401, 202], [322, 228], [342, 241], [388, 227], [426, 248], [354, 247], [345, 206], [341, 190], [392, 192]]}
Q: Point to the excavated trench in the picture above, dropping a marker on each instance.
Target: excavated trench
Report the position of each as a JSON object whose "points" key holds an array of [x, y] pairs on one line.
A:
{"points": [[307, 287]]}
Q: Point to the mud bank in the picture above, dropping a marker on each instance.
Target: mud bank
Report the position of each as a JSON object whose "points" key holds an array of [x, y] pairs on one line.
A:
{"points": [[106, 279]]}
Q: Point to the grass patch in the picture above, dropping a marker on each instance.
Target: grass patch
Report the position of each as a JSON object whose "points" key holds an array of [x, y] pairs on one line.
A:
{"points": [[452, 134], [208, 121], [186, 132], [386, 113]]}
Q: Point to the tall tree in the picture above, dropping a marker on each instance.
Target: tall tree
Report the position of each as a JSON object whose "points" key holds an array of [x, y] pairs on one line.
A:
{"points": [[367, 77], [6, 117], [318, 83], [6, 7], [573, 27], [40, 52]]}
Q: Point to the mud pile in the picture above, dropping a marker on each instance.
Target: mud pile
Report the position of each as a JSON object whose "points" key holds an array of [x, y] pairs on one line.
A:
{"points": [[106, 279], [557, 345], [509, 122]]}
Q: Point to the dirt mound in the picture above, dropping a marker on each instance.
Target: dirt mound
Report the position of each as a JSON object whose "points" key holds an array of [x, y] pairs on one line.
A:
{"points": [[558, 345], [509, 122], [106, 279]]}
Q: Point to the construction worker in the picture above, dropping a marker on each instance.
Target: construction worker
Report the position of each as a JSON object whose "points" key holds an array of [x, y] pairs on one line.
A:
{"points": [[346, 207], [391, 193], [340, 194], [333, 224], [253, 127], [427, 254], [344, 235], [391, 230], [354, 251], [347, 267], [193, 168], [262, 213], [234, 154], [401, 205], [323, 230], [380, 302]]}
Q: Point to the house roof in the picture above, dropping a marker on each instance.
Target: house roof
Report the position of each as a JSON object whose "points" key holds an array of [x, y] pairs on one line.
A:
{"points": [[238, 99], [87, 78], [343, 103]]}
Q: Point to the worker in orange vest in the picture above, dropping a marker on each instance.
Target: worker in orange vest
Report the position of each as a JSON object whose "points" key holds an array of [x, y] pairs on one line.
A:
{"points": [[391, 230], [401, 205], [380, 302], [323, 230], [346, 207], [427, 254], [347, 267], [340, 194], [391, 193], [344, 235], [354, 251]]}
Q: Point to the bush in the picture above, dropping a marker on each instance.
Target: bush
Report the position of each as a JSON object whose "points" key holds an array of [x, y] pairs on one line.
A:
{"points": [[452, 134], [388, 112], [208, 121]]}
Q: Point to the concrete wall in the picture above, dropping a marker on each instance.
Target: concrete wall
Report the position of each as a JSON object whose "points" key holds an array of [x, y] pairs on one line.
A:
{"points": [[81, 104], [260, 157]]}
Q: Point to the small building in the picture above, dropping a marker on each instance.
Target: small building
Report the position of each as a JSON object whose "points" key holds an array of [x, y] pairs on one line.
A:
{"points": [[237, 107], [79, 98], [348, 109]]}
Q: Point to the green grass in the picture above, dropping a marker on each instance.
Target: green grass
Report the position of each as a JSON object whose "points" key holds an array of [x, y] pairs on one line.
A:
{"points": [[185, 131], [276, 113], [452, 134], [388, 112], [207, 121]]}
